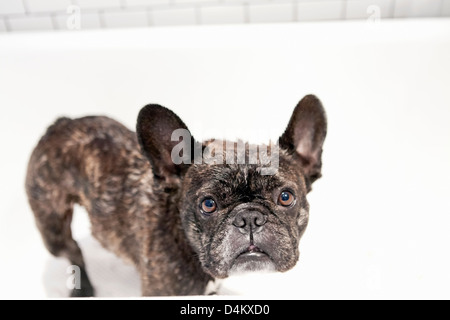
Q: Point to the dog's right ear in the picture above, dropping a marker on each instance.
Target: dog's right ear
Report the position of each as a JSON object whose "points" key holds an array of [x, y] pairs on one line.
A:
{"points": [[155, 126], [305, 134]]}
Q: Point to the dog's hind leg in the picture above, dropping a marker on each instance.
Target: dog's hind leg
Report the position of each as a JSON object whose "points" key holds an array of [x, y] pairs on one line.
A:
{"points": [[53, 210]]}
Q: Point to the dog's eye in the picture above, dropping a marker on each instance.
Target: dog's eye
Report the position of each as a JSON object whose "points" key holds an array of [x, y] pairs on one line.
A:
{"points": [[286, 198], [209, 206]]}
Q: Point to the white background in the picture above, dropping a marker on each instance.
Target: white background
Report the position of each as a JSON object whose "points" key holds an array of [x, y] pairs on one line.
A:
{"points": [[379, 216]]}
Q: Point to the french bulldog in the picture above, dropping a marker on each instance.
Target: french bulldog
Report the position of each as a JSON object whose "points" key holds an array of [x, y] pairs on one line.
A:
{"points": [[159, 202]]}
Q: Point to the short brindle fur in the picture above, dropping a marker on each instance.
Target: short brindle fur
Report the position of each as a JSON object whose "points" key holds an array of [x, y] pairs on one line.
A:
{"points": [[147, 210]]}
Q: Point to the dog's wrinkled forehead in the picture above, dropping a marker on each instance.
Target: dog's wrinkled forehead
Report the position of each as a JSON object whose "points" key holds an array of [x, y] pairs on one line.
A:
{"points": [[242, 180], [232, 179]]}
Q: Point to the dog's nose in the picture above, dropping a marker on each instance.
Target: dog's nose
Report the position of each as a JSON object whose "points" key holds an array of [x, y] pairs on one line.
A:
{"points": [[250, 220]]}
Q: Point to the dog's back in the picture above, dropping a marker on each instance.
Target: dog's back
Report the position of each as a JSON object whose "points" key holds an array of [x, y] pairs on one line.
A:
{"points": [[95, 162]]}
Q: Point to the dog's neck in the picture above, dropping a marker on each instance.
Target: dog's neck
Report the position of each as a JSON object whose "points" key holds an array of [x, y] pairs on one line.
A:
{"points": [[168, 239]]}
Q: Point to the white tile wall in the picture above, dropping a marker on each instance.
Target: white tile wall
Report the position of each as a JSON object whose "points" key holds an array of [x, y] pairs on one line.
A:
{"points": [[51, 14], [417, 8], [320, 10], [90, 21], [222, 14], [87, 21], [146, 2], [97, 4], [11, 7], [272, 12], [31, 23], [363, 9], [256, 1], [171, 17], [2, 25], [47, 5], [125, 19], [195, 1], [60, 21], [446, 8]]}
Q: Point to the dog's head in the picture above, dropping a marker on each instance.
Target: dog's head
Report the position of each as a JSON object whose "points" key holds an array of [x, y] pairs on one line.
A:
{"points": [[238, 214]]}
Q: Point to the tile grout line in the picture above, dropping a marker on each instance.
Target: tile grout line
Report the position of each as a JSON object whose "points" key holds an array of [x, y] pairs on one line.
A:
{"points": [[393, 9], [54, 22], [26, 7], [198, 15], [294, 11], [246, 12], [150, 22], [101, 18], [7, 24], [343, 10]]}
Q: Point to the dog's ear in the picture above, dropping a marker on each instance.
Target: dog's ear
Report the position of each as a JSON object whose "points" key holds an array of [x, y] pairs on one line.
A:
{"points": [[305, 134], [155, 126]]}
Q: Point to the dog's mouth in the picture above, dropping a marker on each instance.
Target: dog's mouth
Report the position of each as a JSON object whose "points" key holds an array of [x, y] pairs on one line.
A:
{"points": [[252, 252], [253, 258]]}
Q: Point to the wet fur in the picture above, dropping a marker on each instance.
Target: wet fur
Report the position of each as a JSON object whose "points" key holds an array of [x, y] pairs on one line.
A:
{"points": [[144, 209]]}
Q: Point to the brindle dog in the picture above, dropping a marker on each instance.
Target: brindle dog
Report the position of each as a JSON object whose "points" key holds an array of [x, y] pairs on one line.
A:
{"points": [[183, 224]]}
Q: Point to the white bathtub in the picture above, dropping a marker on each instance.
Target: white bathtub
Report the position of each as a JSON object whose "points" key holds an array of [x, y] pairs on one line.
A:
{"points": [[380, 214]]}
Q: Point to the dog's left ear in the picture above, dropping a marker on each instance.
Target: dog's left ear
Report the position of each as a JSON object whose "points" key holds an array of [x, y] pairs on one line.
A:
{"points": [[155, 126], [305, 134]]}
